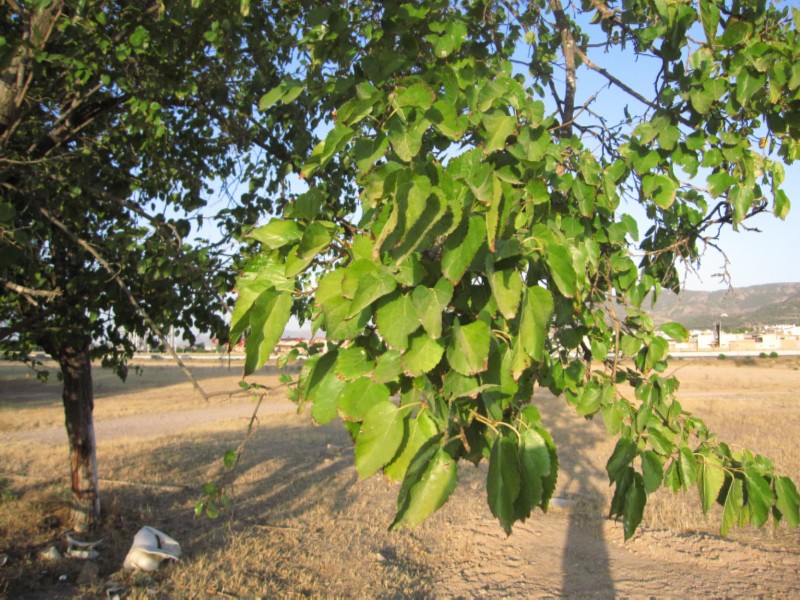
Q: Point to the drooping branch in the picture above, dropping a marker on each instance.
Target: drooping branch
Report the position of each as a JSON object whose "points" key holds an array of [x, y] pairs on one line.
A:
{"points": [[131, 298]]}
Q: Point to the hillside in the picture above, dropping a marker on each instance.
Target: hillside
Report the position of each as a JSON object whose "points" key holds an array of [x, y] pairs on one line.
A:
{"points": [[770, 304]]}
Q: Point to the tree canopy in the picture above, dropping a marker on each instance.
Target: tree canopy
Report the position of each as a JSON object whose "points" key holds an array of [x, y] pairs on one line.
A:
{"points": [[118, 122], [464, 236]]}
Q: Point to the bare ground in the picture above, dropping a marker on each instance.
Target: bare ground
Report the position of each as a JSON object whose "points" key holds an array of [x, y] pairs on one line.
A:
{"points": [[303, 525]]}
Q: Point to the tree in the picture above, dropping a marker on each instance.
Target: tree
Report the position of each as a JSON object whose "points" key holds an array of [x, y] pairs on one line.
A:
{"points": [[464, 234], [115, 120]]}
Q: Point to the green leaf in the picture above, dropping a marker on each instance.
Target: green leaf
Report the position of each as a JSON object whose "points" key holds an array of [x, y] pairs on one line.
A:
{"points": [[368, 151], [621, 458], [396, 320], [285, 92], [788, 500], [420, 431], [353, 362], [652, 471], [506, 286], [315, 238], [417, 95], [676, 331], [430, 479], [461, 247], [635, 500], [450, 40], [468, 351], [590, 399], [709, 484], [561, 268], [709, 16], [503, 482], [660, 188], [424, 354], [358, 397], [534, 464], [371, 286], [322, 387], [229, 459], [379, 438], [498, 127], [268, 318], [388, 367], [277, 233], [688, 467], [537, 308], [732, 509], [718, 183], [430, 303], [759, 496]]}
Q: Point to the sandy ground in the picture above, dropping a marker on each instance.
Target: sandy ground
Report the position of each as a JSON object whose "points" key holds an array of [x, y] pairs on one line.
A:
{"points": [[322, 533]]}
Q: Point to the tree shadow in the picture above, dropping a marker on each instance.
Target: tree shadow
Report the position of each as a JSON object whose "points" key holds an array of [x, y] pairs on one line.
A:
{"points": [[297, 523], [586, 563]]}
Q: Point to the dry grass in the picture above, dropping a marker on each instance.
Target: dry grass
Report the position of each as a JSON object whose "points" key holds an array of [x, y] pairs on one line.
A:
{"points": [[303, 525]]}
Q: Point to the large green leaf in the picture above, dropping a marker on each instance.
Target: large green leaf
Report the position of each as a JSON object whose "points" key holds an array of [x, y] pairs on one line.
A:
{"points": [[461, 247], [534, 464], [562, 269], [788, 500], [709, 484], [430, 479], [423, 354], [635, 500], [468, 351], [353, 362], [498, 126], [506, 285], [371, 286], [357, 398], [537, 308], [268, 317], [379, 438], [621, 458], [277, 233], [396, 320], [759, 497], [419, 431], [503, 482], [430, 303], [732, 508]]}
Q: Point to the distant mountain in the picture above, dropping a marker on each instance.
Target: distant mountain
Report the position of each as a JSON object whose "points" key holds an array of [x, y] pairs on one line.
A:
{"points": [[758, 305]]}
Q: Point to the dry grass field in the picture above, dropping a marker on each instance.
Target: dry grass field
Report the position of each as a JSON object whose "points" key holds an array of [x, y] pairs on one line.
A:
{"points": [[301, 524]]}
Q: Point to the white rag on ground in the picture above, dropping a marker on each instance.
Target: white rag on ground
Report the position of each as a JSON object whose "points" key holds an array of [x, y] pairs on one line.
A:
{"points": [[150, 548]]}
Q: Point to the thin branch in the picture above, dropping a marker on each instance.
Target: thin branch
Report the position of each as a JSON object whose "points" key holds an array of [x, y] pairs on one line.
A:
{"points": [[569, 49], [137, 307], [29, 292]]}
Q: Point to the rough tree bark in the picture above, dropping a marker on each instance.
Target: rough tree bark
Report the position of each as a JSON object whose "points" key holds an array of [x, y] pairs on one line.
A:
{"points": [[78, 398]]}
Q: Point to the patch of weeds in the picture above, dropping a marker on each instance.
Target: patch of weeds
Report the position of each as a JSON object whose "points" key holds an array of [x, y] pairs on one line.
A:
{"points": [[6, 495], [763, 355], [721, 357]]}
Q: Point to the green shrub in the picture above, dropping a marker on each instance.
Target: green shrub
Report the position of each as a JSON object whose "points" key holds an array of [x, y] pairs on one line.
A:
{"points": [[773, 355]]}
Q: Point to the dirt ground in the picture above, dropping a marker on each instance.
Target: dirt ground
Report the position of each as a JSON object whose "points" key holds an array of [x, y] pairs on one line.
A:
{"points": [[302, 524]]}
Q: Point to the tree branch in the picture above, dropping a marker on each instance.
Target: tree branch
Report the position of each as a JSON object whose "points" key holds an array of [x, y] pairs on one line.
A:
{"points": [[125, 290], [568, 48]]}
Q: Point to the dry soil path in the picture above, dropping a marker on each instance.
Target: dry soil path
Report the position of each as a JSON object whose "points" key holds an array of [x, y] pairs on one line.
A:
{"points": [[150, 426]]}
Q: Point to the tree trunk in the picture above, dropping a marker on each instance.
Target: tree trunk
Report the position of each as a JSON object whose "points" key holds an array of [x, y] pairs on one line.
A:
{"points": [[78, 397]]}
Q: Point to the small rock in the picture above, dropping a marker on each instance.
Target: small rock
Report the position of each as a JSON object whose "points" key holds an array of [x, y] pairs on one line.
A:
{"points": [[89, 574]]}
